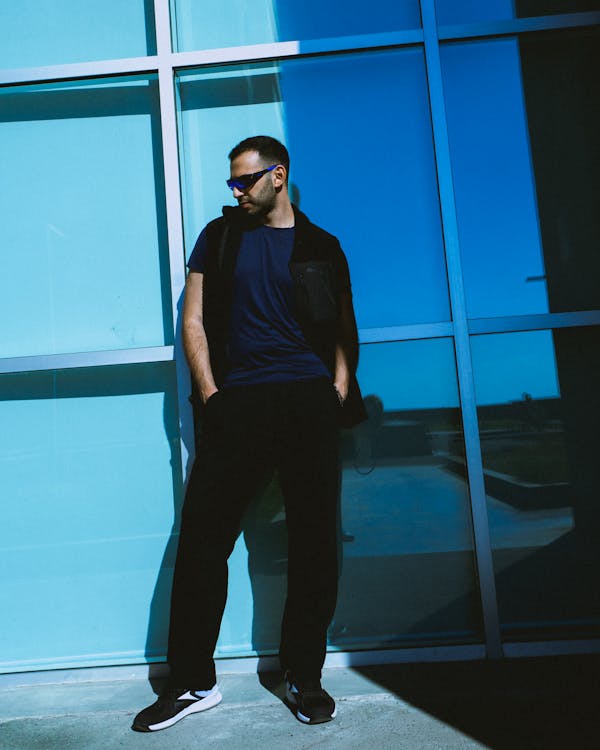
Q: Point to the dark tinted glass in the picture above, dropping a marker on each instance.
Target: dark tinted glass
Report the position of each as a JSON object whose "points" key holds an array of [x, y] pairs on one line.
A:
{"points": [[539, 406], [465, 11]]}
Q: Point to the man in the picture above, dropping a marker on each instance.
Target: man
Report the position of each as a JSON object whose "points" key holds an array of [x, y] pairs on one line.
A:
{"points": [[270, 337]]}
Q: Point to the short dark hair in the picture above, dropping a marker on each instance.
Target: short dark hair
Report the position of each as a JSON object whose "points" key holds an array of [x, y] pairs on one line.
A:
{"points": [[269, 149]]}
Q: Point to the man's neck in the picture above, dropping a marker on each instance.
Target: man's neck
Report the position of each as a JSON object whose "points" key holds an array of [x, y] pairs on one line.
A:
{"points": [[281, 217]]}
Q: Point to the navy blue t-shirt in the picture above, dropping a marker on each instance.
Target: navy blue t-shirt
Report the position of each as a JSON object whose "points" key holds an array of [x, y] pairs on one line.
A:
{"points": [[266, 344]]}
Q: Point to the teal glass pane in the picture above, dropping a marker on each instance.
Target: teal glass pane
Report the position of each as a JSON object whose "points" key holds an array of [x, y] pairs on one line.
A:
{"points": [[209, 24], [91, 477], [82, 218], [362, 165], [465, 11], [55, 32], [538, 408]]}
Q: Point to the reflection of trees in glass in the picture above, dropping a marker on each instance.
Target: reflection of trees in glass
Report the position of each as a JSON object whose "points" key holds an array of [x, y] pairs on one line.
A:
{"points": [[540, 461], [524, 439]]}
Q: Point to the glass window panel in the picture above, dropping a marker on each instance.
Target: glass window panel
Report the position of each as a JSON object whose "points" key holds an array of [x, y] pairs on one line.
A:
{"points": [[408, 566], [465, 11], [333, 114], [226, 23], [538, 407], [55, 32], [91, 473], [83, 228], [523, 126], [406, 549]]}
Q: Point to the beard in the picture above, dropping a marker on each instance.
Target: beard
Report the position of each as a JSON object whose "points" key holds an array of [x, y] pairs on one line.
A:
{"points": [[260, 203]]}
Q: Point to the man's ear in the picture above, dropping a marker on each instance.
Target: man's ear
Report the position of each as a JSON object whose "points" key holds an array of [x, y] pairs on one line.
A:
{"points": [[279, 175]]}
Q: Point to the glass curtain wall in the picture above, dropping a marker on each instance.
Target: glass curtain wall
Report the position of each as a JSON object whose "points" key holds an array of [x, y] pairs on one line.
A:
{"points": [[451, 148]]}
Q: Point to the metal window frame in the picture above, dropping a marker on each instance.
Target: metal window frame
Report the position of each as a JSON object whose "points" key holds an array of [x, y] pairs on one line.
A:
{"points": [[166, 63], [466, 385]]}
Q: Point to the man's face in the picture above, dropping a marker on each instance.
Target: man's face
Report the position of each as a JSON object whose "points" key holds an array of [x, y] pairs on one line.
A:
{"points": [[258, 199]]}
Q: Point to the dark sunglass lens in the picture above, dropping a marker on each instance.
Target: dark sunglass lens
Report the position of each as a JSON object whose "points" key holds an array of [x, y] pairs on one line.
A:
{"points": [[244, 181]]}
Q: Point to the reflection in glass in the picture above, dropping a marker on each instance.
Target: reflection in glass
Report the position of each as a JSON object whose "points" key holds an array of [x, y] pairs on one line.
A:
{"points": [[405, 542], [90, 466], [408, 568], [524, 141], [83, 228], [333, 113], [538, 408], [466, 11], [226, 23], [55, 32]]}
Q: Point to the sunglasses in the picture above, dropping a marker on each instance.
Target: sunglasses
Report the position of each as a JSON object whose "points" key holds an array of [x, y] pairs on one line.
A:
{"points": [[244, 181]]}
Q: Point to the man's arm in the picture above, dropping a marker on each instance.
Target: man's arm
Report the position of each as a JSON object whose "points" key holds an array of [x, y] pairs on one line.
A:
{"points": [[195, 343], [346, 349]]}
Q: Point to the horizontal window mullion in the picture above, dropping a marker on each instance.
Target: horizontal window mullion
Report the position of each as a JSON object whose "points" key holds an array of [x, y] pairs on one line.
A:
{"points": [[534, 322], [86, 359], [517, 26], [73, 71], [279, 50], [405, 333]]}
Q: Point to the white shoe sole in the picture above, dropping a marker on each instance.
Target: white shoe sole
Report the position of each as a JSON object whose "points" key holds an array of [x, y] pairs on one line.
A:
{"points": [[211, 700]]}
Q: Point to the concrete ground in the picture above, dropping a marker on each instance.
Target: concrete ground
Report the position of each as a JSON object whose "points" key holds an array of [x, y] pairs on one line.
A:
{"points": [[506, 705]]}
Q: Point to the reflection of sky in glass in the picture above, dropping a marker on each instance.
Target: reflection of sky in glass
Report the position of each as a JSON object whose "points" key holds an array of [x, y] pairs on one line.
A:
{"points": [[225, 23], [494, 185], [507, 365], [54, 32], [333, 115], [462, 11], [410, 374]]}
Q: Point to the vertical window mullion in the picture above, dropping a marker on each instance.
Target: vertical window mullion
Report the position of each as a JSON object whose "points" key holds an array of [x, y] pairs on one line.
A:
{"points": [[168, 119], [483, 550]]}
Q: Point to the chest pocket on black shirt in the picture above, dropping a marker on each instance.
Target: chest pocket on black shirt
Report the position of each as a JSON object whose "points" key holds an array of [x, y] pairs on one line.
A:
{"points": [[314, 292]]}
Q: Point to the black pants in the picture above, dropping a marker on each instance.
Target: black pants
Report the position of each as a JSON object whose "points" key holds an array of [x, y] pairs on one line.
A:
{"points": [[248, 431]]}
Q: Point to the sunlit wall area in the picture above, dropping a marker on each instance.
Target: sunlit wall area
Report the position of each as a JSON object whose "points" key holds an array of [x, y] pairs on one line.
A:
{"points": [[89, 495], [452, 148], [83, 228]]}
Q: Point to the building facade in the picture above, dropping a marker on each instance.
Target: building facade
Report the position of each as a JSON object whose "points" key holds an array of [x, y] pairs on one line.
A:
{"points": [[453, 148]]}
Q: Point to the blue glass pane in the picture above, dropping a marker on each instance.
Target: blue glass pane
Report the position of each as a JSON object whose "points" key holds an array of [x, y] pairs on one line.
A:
{"points": [[408, 573], [54, 32], [362, 165], [523, 126], [226, 23], [465, 11], [498, 224], [91, 474], [538, 407], [83, 229]]}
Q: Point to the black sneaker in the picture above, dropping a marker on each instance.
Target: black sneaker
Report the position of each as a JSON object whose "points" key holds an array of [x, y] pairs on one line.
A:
{"points": [[311, 704], [173, 705]]}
